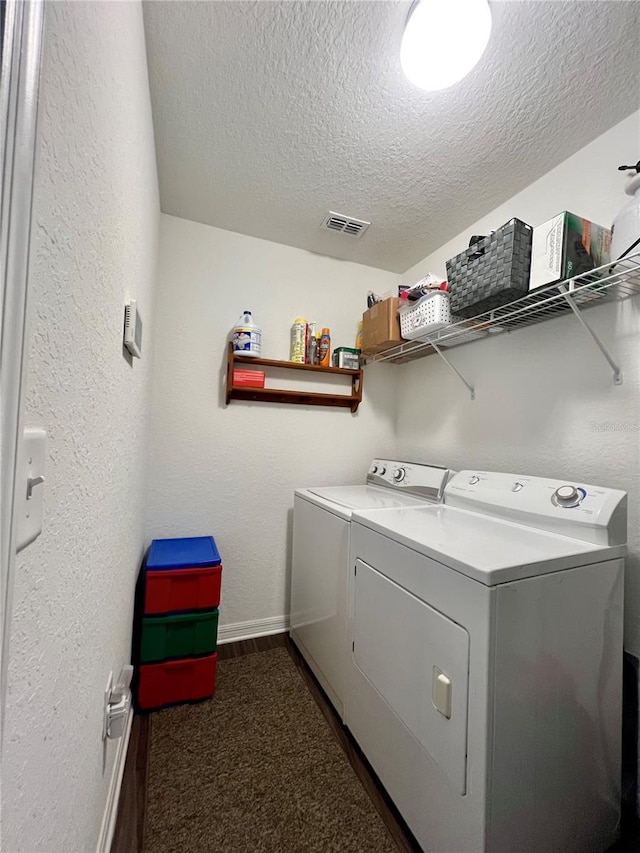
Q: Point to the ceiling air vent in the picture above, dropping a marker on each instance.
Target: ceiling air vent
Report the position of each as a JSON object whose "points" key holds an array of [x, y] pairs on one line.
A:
{"points": [[344, 224]]}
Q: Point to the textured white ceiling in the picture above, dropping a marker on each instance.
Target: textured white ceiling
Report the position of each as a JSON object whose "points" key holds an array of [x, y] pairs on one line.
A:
{"points": [[269, 114]]}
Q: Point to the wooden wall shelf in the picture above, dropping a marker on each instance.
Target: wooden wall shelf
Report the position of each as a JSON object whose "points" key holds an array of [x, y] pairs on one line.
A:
{"points": [[300, 398]]}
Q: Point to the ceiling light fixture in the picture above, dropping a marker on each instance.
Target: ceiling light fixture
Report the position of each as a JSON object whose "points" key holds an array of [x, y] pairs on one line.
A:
{"points": [[443, 40]]}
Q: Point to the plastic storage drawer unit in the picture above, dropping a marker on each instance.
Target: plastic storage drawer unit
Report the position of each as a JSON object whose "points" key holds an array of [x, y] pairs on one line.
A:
{"points": [[183, 636], [182, 574], [172, 682]]}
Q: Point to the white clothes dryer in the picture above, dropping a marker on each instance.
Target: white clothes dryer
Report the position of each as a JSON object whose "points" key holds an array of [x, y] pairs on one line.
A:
{"points": [[485, 665], [320, 559]]}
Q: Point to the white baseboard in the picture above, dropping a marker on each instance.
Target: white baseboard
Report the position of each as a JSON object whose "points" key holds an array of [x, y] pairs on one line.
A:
{"points": [[250, 630], [111, 809]]}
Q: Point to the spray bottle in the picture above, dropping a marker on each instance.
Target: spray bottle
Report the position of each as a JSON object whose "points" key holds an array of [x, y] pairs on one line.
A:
{"points": [[625, 238], [325, 348], [312, 345]]}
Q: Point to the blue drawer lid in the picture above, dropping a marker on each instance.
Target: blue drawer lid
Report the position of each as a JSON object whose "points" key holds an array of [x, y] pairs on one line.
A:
{"points": [[195, 552]]}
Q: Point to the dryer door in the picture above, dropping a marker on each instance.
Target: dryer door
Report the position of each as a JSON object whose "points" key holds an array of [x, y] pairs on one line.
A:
{"points": [[418, 661]]}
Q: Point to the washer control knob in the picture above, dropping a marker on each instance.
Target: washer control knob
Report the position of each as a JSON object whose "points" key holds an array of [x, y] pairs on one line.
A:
{"points": [[516, 487], [382, 472], [374, 470], [473, 480], [567, 496], [399, 475]]}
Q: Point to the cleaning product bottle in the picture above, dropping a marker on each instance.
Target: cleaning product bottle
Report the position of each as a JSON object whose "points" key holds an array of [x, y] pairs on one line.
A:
{"points": [[325, 348], [298, 349], [247, 337], [625, 238], [312, 344], [317, 358], [359, 336]]}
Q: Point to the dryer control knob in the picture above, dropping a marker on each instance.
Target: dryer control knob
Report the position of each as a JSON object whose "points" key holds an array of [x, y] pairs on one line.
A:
{"points": [[382, 472], [566, 496], [473, 480], [399, 475], [374, 470]]}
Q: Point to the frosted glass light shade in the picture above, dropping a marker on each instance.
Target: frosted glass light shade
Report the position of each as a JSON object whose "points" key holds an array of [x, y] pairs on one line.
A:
{"points": [[443, 40]]}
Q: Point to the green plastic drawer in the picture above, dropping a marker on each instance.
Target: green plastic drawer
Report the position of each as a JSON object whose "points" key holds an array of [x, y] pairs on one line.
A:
{"points": [[181, 636]]}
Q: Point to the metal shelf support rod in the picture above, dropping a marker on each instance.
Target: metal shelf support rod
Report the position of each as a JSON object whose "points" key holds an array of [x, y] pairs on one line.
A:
{"points": [[617, 373], [471, 389]]}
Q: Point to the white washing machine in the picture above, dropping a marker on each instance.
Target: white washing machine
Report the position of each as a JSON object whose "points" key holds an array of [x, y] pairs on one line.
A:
{"points": [[320, 560], [485, 666]]}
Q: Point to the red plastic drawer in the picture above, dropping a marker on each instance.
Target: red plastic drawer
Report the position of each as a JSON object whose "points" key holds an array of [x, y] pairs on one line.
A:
{"points": [[174, 590], [176, 681]]}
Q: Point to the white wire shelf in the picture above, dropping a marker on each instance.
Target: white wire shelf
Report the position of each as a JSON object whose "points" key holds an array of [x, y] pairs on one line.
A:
{"points": [[613, 282]]}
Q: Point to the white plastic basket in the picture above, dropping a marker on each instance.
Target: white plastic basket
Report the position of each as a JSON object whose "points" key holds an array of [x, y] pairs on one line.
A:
{"points": [[428, 314]]}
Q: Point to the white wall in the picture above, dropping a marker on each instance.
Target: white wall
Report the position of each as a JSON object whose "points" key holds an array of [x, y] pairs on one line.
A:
{"points": [[231, 471], [545, 402], [95, 241]]}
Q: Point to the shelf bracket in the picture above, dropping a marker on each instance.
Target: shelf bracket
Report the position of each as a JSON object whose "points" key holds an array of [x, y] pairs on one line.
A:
{"points": [[617, 373], [470, 388]]}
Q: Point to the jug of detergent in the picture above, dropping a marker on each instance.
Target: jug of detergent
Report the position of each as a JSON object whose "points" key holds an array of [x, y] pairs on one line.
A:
{"points": [[247, 336], [625, 239]]}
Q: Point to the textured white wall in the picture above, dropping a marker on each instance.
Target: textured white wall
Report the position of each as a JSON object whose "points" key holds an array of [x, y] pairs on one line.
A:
{"points": [[95, 242], [545, 401], [232, 471]]}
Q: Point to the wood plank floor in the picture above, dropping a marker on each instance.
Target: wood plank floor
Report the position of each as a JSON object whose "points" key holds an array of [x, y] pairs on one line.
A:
{"points": [[129, 832], [128, 835]]}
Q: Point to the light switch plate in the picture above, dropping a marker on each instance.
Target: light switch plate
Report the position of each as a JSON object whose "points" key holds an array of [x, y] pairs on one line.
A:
{"points": [[30, 483]]}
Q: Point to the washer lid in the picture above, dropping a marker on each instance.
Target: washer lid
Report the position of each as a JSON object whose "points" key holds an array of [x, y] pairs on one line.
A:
{"points": [[352, 498], [486, 549]]}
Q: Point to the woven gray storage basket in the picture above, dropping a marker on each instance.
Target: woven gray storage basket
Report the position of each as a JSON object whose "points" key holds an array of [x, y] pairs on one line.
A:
{"points": [[493, 271]]}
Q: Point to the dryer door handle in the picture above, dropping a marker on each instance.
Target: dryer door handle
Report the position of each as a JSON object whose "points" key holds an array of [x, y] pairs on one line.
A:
{"points": [[441, 692]]}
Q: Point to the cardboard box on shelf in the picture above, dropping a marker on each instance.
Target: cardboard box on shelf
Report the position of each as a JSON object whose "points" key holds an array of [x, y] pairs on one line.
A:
{"points": [[381, 326], [565, 246]]}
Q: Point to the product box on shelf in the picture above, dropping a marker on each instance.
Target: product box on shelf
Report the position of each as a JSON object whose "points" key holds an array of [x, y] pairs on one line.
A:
{"points": [[565, 246], [381, 326], [248, 378], [347, 357]]}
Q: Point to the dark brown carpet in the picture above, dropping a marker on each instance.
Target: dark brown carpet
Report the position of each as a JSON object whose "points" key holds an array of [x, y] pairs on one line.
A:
{"points": [[255, 770]]}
